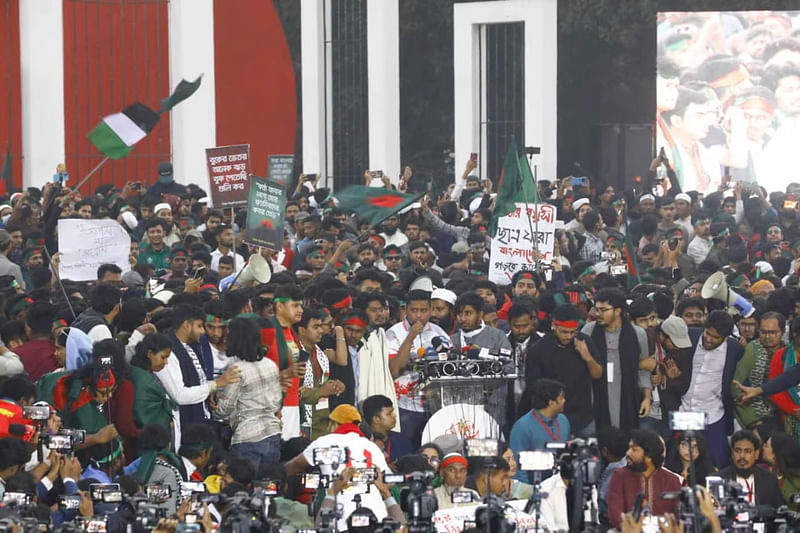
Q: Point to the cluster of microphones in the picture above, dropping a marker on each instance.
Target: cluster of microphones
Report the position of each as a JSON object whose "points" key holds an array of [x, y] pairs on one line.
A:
{"points": [[441, 350]]}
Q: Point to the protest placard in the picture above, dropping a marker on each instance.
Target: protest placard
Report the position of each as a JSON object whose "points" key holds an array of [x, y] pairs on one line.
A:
{"points": [[513, 247], [266, 205], [280, 168], [87, 244], [228, 170]]}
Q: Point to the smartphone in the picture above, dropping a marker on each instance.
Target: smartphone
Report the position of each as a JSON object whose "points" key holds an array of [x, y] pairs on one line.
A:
{"points": [[96, 490], [311, 177], [97, 524], [377, 178], [36, 412], [311, 481], [158, 493], [303, 356], [199, 273], [687, 421], [364, 475], [536, 460], [578, 182], [473, 156]]}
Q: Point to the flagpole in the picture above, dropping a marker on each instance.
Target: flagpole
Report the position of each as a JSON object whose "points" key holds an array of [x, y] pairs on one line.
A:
{"points": [[91, 173], [528, 213]]}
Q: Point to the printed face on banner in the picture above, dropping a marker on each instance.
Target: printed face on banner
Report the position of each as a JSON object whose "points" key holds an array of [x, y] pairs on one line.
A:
{"points": [[736, 112], [228, 171], [520, 236]]}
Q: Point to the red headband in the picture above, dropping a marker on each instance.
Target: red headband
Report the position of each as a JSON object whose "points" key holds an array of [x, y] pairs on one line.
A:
{"points": [[106, 380], [343, 304], [453, 458], [566, 323], [541, 315], [355, 321]]}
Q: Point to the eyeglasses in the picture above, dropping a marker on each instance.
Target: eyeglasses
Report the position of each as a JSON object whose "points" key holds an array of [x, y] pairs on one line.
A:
{"points": [[603, 309]]}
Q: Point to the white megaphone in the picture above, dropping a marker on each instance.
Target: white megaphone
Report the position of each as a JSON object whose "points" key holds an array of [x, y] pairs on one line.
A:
{"points": [[716, 288], [256, 269]]}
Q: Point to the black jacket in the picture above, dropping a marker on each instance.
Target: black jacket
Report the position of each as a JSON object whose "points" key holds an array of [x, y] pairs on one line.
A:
{"points": [[768, 490]]}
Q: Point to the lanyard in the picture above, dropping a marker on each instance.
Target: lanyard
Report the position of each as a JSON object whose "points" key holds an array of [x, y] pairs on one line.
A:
{"points": [[546, 427], [749, 490]]}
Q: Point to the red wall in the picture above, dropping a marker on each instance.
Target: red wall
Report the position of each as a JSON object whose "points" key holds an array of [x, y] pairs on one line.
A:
{"points": [[115, 54], [10, 102], [256, 98]]}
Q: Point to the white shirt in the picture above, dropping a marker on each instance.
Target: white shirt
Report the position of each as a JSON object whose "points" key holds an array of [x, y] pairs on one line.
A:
{"points": [[99, 333], [171, 378], [238, 261], [748, 486], [554, 515], [221, 361], [407, 381], [363, 454], [698, 249], [705, 389]]}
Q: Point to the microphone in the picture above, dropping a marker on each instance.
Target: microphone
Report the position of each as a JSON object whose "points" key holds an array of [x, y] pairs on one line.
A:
{"points": [[476, 352], [441, 344]]}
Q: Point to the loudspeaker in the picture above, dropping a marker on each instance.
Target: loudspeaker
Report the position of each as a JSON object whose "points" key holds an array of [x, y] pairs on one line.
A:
{"points": [[256, 269], [715, 287]]}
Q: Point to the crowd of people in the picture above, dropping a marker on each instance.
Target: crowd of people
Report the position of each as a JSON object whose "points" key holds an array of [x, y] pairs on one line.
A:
{"points": [[174, 376]]}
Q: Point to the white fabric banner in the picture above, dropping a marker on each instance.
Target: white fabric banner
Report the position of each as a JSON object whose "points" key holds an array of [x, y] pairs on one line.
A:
{"points": [[87, 244], [517, 237]]}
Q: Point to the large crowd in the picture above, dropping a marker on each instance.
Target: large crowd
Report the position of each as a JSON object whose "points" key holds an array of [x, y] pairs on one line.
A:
{"points": [[172, 381]]}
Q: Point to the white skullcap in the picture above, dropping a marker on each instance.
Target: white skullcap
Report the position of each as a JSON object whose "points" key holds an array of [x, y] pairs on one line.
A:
{"points": [[683, 196], [580, 202], [162, 205], [647, 197], [445, 295]]}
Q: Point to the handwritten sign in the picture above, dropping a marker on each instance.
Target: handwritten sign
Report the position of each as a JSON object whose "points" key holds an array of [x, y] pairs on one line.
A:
{"points": [[228, 171], [280, 168], [87, 244], [266, 206], [518, 235], [452, 520]]}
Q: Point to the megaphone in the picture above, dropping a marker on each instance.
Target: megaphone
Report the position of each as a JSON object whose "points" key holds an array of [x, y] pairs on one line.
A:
{"points": [[256, 269], [422, 283], [715, 287]]}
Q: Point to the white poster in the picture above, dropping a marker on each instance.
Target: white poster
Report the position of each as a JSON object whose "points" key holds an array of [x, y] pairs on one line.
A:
{"points": [[517, 237], [87, 244]]}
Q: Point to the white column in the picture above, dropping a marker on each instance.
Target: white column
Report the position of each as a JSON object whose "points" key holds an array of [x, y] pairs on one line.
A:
{"points": [[467, 95], [193, 121], [383, 75], [42, 68], [312, 70]]}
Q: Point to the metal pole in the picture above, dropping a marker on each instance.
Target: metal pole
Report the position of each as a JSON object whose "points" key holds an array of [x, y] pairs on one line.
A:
{"points": [[91, 172]]}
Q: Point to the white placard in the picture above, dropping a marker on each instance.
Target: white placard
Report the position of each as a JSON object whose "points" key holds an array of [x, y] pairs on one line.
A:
{"points": [[513, 246], [452, 520], [87, 244]]}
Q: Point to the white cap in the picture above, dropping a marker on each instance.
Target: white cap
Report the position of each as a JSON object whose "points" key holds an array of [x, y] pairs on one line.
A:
{"points": [[162, 205], [130, 220], [205, 200], [764, 267], [444, 295], [647, 197], [683, 196], [475, 203], [580, 202]]}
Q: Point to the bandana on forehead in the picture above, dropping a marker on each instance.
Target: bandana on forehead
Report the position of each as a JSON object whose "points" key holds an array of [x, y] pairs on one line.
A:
{"points": [[106, 381], [731, 78], [343, 303], [60, 323], [355, 321], [315, 253], [566, 323], [219, 321], [755, 103]]}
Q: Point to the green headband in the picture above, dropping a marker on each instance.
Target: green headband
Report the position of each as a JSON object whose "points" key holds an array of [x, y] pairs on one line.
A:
{"points": [[211, 319], [588, 271], [284, 300], [108, 458]]}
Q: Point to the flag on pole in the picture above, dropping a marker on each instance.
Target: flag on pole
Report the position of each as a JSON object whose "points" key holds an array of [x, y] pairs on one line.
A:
{"points": [[116, 134], [515, 185], [374, 204], [629, 253], [6, 181], [184, 90]]}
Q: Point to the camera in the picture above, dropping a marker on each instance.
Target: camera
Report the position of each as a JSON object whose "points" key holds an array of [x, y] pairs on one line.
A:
{"points": [[418, 500], [69, 502], [157, 493], [607, 256], [482, 447], [687, 421], [36, 412], [268, 487], [364, 475], [105, 361]]}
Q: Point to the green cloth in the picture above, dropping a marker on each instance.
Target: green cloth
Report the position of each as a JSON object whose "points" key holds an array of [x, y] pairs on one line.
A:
{"points": [[280, 341], [295, 512], [790, 485], [151, 404], [752, 412], [46, 384], [158, 260], [184, 90], [516, 185], [374, 204]]}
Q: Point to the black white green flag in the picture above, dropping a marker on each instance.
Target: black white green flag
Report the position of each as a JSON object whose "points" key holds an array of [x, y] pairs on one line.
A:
{"points": [[116, 134]]}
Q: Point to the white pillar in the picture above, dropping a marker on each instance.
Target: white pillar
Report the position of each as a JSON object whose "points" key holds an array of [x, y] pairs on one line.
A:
{"points": [[42, 67], [467, 95], [312, 50], [383, 75], [193, 121]]}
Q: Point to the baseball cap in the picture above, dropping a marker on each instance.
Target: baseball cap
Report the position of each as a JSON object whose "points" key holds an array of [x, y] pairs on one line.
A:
{"points": [[345, 414], [675, 328], [165, 172]]}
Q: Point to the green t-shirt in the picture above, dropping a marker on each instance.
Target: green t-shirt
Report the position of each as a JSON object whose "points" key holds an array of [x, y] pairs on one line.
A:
{"points": [[158, 259]]}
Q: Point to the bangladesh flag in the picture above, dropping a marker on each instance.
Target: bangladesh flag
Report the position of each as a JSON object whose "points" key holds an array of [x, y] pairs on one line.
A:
{"points": [[184, 90], [374, 204], [515, 185], [629, 254], [116, 134], [5, 174]]}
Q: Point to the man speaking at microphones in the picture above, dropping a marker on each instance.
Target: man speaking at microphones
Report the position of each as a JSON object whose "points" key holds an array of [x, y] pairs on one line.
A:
{"points": [[404, 340], [472, 329]]}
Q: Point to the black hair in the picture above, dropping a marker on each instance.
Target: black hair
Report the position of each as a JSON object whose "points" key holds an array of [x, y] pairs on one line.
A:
{"points": [[641, 307], [519, 309], [112, 348], [13, 452], [131, 315], [613, 297], [545, 391], [787, 454], [40, 316], [11, 330], [241, 469], [40, 277], [721, 321], [155, 221], [153, 342], [293, 292], [235, 301], [469, 298], [226, 260], [649, 224], [703, 465], [415, 462], [274, 471], [195, 439], [365, 298], [17, 387], [566, 313], [104, 297], [244, 340], [201, 255], [686, 303], [700, 214], [418, 295], [183, 313], [105, 268], [773, 315], [746, 434], [154, 437], [614, 440], [432, 446], [591, 220], [308, 315], [651, 443], [780, 300], [373, 406]]}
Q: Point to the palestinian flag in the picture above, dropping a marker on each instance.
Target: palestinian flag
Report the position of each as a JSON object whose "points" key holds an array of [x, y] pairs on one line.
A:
{"points": [[184, 90], [629, 254], [116, 134], [515, 185], [374, 204]]}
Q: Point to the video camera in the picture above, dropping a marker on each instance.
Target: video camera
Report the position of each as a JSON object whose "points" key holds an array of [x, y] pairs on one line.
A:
{"points": [[65, 441], [416, 499]]}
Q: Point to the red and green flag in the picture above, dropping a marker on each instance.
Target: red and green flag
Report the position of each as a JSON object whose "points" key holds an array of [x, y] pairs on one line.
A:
{"points": [[515, 185], [629, 254], [6, 183], [373, 203]]}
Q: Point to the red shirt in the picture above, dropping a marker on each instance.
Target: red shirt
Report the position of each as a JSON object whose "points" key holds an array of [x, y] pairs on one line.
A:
{"points": [[38, 358]]}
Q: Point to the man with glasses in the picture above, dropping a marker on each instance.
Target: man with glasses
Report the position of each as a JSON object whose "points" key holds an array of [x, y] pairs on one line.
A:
{"points": [[565, 355], [693, 311], [393, 258], [754, 367], [713, 363], [624, 396]]}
